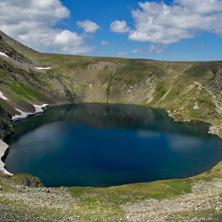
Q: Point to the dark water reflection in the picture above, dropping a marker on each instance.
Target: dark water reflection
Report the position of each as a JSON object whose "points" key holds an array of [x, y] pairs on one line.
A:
{"points": [[105, 145]]}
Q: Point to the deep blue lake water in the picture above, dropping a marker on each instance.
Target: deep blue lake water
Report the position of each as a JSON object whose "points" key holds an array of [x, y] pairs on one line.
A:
{"points": [[103, 145]]}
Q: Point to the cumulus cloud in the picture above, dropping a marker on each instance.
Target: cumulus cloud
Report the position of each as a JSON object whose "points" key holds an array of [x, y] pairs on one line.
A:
{"points": [[88, 26], [165, 24], [119, 26], [151, 49], [201, 6], [32, 23], [156, 48], [105, 43]]}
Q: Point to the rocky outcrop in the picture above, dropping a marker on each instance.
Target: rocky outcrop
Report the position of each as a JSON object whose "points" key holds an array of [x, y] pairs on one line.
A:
{"points": [[6, 128], [9, 51], [26, 180], [6, 125]]}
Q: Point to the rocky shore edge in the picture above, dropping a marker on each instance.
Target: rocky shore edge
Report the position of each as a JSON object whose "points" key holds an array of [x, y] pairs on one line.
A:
{"points": [[7, 124], [202, 203], [3, 148], [213, 129]]}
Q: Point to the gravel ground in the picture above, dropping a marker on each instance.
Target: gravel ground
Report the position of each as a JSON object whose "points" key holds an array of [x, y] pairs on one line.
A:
{"points": [[23, 203], [204, 196]]}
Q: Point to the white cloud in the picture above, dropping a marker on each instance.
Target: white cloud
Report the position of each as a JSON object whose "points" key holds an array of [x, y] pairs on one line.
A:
{"points": [[156, 48], [134, 51], [119, 26], [67, 39], [105, 43], [198, 46], [88, 26], [32, 23], [122, 53], [151, 49], [201, 6], [163, 24]]}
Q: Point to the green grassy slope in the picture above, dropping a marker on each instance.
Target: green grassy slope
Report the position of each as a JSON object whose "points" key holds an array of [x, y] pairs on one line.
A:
{"points": [[187, 90], [16, 45], [175, 86], [192, 199]]}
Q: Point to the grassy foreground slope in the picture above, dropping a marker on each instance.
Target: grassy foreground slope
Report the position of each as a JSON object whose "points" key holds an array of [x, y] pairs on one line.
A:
{"points": [[187, 90], [193, 199]]}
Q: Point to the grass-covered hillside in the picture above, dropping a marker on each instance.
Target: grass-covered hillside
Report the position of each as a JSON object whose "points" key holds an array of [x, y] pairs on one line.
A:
{"points": [[189, 90]]}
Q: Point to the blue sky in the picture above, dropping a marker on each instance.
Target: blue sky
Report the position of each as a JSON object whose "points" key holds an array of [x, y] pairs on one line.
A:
{"points": [[163, 30]]}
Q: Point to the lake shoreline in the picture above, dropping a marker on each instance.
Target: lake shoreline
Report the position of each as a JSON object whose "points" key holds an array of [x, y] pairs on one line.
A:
{"points": [[140, 118], [17, 119], [3, 148], [161, 200], [213, 129]]}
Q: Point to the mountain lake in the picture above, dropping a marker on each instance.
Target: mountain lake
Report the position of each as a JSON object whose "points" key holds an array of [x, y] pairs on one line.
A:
{"points": [[101, 145]]}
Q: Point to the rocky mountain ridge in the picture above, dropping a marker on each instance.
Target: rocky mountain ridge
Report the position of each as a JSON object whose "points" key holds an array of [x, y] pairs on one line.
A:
{"points": [[187, 90]]}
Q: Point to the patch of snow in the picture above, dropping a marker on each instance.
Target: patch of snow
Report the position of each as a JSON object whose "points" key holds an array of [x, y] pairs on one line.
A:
{"points": [[196, 106], [42, 68], [3, 54], [24, 115], [3, 148], [2, 96], [39, 109]]}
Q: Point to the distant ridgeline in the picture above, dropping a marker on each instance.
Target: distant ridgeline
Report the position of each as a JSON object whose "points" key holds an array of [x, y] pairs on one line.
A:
{"points": [[187, 90]]}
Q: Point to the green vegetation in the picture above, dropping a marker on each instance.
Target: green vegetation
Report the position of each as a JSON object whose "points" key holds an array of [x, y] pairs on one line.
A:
{"points": [[9, 51], [108, 88], [187, 90], [105, 204]]}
